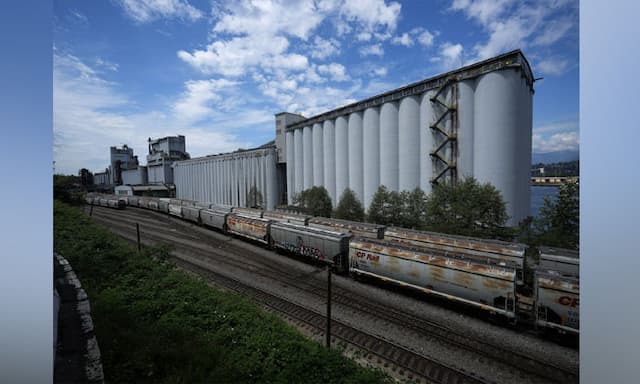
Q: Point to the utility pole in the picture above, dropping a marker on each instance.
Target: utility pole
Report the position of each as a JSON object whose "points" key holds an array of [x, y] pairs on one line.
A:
{"points": [[138, 232], [328, 331]]}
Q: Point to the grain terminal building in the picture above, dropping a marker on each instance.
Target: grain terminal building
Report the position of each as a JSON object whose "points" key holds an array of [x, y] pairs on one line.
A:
{"points": [[473, 121]]}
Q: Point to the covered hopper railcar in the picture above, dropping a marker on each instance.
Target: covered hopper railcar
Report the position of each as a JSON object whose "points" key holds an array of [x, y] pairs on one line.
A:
{"points": [[490, 249], [315, 243], [356, 228], [482, 283], [480, 273]]}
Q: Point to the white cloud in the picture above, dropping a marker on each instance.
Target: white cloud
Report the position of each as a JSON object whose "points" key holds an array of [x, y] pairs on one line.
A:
{"points": [[372, 50], [556, 127], [403, 39], [552, 66], [270, 18], [196, 102], [426, 39], [144, 11], [554, 31], [323, 48], [364, 36], [484, 11], [90, 115], [450, 56], [372, 13], [505, 35], [381, 71], [335, 70], [511, 25], [556, 142], [263, 35], [234, 57]]}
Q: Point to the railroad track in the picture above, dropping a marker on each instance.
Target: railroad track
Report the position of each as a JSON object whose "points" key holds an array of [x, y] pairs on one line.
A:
{"points": [[347, 298], [405, 359]]}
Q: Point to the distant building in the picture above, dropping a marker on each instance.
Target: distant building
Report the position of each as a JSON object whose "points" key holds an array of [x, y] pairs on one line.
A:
{"points": [[121, 159], [135, 176], [162, 153], [101, 178]]}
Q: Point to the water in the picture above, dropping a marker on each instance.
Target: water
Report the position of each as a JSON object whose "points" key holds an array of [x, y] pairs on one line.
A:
{"points": [[537, 197]]}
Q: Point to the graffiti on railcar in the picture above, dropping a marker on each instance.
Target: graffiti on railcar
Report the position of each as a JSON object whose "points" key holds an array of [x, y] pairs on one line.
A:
{"points": [[301, 248]]}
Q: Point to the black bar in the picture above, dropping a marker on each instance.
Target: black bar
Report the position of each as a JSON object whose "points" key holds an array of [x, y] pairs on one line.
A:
{"points": [[138, 231], [328, 333]]}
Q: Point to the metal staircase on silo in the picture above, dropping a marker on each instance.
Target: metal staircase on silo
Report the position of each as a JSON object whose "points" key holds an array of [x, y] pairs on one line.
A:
{"points": [[445, 151]]}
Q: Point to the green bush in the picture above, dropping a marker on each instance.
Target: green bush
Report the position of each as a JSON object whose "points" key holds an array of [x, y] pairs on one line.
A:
{"points": [[468, 208], [315, 201], [349, 207], [155, 324]]}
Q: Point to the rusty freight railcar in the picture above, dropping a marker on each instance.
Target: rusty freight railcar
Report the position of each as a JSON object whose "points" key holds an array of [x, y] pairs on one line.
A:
{"points": [[214, 218], [163, 205], [496, 249], [316, 243], [175, 209], [250, 227], [486, 284], [133, 201], [356, 228], [285, 217], [557, 290], [253, 212], [191, 213], [143, 202], [153, 204]]}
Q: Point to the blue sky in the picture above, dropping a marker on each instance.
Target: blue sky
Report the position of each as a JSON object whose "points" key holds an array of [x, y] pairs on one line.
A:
{"points": [[218, 71]]}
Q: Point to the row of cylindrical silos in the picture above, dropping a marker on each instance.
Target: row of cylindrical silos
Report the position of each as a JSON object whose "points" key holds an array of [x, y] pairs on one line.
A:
{"points": [[390, 143], [235, 178]]}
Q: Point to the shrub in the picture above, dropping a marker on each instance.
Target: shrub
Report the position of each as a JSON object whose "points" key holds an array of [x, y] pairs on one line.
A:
{"points": [[349, 207]]}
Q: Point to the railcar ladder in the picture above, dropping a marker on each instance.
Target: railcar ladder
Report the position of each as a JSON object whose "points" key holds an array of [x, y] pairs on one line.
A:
{"points": [[445, 132]]}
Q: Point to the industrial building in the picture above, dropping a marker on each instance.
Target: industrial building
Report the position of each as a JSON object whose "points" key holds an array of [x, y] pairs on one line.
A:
{"points": [[474, 121], [242, 178], [162, 153], [121, 159]]}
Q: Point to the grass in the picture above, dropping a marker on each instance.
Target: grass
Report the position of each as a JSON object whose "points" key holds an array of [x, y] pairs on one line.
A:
{"points": [[156, 324]]}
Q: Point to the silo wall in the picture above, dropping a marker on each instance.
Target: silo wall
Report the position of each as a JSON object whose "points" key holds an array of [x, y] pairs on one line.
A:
{"points": [[342, 154], [389, 145], [329, 157], [298, 163], [371, 154], [502, 137], [409, 143]]}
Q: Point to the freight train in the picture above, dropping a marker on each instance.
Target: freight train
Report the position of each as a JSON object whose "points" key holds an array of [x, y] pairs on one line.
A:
{"points": [[540, 287]]}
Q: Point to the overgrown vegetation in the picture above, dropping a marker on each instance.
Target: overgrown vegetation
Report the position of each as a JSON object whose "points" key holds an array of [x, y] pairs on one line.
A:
{"points": [[558, 223], [468, 208], [349, 207], [315, 201], [68, 188], [254, 198], [155, 324]]}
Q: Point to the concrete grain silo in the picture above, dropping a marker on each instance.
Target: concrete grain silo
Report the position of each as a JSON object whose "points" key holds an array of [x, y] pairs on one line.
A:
{"points": [[474, 121]]}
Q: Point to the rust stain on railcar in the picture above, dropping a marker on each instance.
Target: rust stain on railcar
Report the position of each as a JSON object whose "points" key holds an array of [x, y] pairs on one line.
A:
{"points": [[558, 283], [441, 240], [441, 261]]}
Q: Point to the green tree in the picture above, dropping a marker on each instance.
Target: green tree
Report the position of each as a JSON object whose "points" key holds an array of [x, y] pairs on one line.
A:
{"points": [[414, 209], [315, 201], [67, 188], [349, 207], [386, 207], [558, 222], [376, 212], [468, 208], [254, 198]]}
